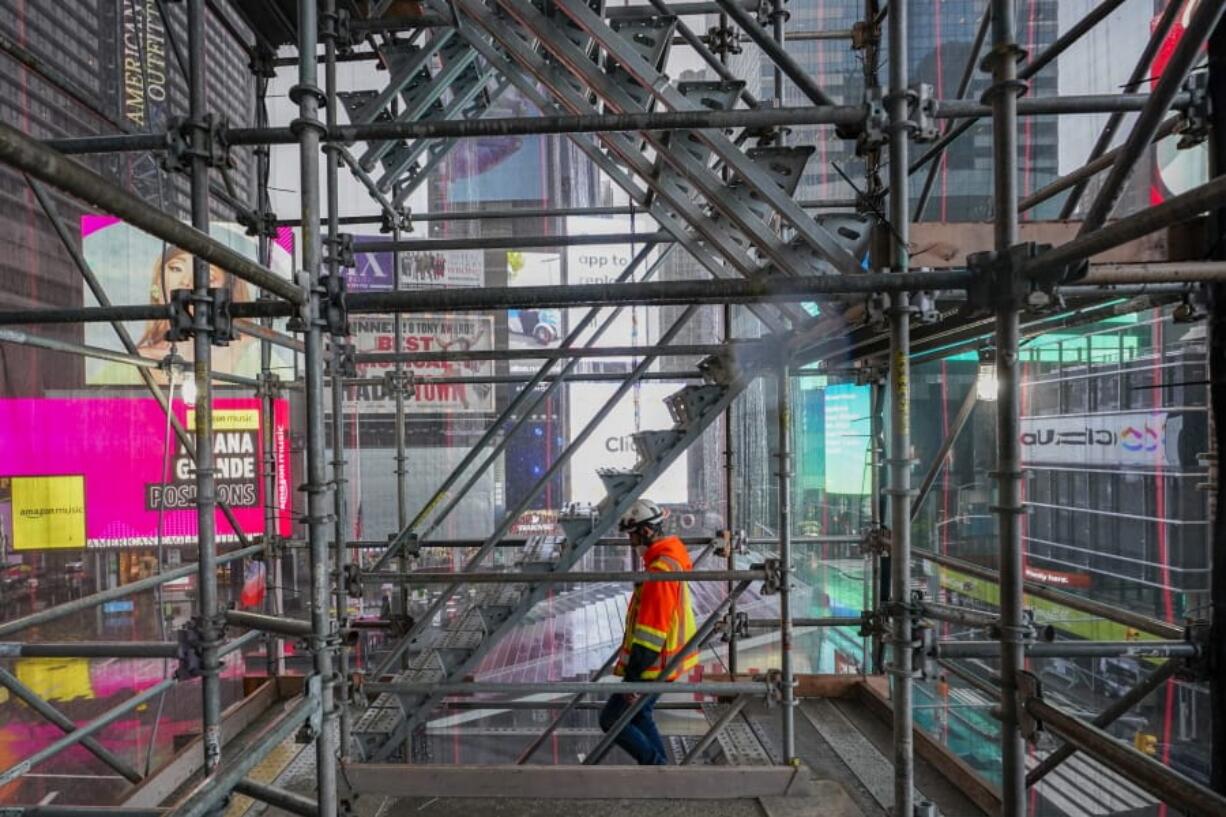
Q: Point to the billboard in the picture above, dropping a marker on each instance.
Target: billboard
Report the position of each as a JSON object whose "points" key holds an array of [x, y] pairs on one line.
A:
{"points": [[612, 444], [96, 473], [424, 333], [497, 168], [134, 267], [1140, 438], [440, 269], [848, 413]]}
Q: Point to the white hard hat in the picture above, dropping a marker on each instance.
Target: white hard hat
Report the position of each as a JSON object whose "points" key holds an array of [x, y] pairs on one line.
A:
{"points": [[643, 513]]}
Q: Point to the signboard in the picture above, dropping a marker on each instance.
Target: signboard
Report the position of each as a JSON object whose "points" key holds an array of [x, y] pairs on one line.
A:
{"points": [[612, 444], [94, 473], [848, 413], [602, 264], [441, 269], [134, 267], [45, 512], [425, 333], [1055, 578], [1145, 438]]}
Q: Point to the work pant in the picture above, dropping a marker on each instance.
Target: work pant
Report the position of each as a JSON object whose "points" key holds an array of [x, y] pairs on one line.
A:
{"points": [[640, 738]]}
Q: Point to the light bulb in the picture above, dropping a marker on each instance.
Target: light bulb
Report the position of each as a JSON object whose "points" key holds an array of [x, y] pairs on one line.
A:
{"points": [[987, 387], [189, 390]]}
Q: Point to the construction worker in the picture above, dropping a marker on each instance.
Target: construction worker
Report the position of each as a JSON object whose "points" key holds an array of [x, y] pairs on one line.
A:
{"points": [[659, 622]]}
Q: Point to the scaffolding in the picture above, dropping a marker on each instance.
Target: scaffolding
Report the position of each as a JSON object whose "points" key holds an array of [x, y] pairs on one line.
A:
{"points": [[730, 208]]}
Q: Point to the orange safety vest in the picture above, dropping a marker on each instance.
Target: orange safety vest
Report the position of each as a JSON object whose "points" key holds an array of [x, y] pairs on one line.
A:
{"points": [[660, 616]]}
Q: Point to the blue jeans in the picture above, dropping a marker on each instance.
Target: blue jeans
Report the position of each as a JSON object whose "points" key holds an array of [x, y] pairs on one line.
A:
{"points": [[640, 738]]}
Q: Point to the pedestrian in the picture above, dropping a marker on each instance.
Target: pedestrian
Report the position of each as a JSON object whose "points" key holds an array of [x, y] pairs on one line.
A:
{"points": [[659, 622]]}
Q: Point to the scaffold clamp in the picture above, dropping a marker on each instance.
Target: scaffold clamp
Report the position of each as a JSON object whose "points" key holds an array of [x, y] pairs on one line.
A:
{"points": [[1007, 280], [733, 625], [180, 151], [773, 583], [1028, 686], [191, 650], [876, 540], [1195, 124], [399, 382], [183, 304], [353, 581]]}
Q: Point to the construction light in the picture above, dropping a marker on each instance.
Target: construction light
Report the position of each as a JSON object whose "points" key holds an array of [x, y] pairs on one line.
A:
{"points": [[987, 386]]}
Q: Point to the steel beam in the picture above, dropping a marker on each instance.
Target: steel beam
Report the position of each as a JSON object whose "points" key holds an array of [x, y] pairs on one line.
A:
{"points": [[1150, 684], [783, 411], [278, 798], [580, 782], [1139, 74], [1180, 792], [760, 688], [582, 352], [1204, 19]]}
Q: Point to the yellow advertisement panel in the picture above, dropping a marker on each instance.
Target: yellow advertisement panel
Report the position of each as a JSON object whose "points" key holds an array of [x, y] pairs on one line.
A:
{"points": [[229, 419], [48, 512]]}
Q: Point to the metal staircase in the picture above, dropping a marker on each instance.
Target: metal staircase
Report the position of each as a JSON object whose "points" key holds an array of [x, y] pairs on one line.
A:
{"points": [[455, 649], [439, 80]]}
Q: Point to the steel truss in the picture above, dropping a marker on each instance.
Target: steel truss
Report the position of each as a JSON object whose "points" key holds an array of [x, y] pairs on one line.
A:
{"points": [[681, 152]]}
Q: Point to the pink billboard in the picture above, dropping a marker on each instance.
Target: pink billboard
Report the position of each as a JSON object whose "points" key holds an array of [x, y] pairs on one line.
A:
{"points": [[104, 473]]}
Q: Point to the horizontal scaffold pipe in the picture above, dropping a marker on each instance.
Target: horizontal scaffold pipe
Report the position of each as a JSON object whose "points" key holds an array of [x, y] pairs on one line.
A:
{"points": [[90, 649], [565, 577], [654, 293], [519, 380], [522, 242], [1072, 649], [40, 162], [573, 688], [699, 349], [837, 115], [16, 625]]}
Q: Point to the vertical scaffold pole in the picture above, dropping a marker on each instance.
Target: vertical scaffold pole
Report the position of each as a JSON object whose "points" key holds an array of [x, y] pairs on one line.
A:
{"points": [[899, 491], [308, 97], [202, 349], [1004, 92], [788, 710], [341, 528], [1217, 404]]}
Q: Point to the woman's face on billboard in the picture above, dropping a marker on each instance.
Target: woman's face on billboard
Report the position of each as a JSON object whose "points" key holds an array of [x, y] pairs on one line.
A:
{"points": [[178, 272]]}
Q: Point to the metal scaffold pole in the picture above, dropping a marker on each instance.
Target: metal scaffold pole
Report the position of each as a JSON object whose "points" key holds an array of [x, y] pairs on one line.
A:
{"points": [[1217, 426], [329, 24], [308, 96], [899, 491], [202, 349], [784, 411], [1006, 87]]}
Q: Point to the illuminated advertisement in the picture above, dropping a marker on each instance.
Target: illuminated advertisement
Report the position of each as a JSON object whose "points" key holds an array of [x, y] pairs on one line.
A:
{"points": [[497, 168], [97, 473], [134, 267], [1124, 438], [424, 333], [612, 444], [603, 264], [848, 414], [533, 328], [439, 269]]}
